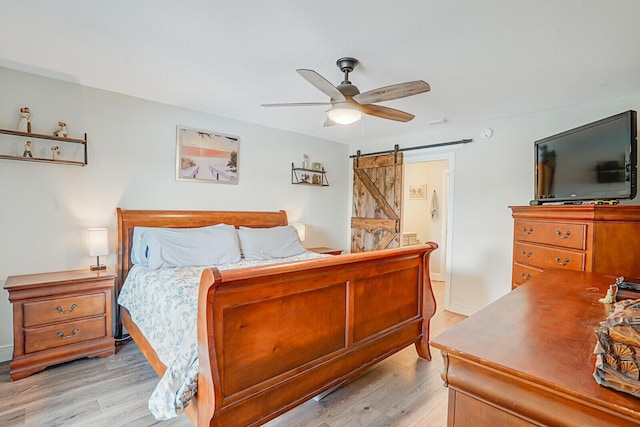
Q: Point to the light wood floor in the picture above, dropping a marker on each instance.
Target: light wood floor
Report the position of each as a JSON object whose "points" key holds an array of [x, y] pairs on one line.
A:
{"points": [[403, 390]]}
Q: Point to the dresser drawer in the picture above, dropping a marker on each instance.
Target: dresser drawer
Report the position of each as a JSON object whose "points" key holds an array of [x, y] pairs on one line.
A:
{"points": [[52, 336], [63, 309], [522, 273], [546, 257], [560, 234]]}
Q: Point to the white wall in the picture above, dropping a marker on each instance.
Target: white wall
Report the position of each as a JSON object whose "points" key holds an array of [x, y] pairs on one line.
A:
{"points": [[490, 175], [46, 208]]}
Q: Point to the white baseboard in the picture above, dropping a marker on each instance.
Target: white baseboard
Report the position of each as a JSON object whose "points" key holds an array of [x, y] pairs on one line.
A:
{"points": [[465, 310], [6, 353]]}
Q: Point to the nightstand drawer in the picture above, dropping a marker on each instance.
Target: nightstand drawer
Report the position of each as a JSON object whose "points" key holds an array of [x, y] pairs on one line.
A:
{"points": [[63, 309], [52, 336]]}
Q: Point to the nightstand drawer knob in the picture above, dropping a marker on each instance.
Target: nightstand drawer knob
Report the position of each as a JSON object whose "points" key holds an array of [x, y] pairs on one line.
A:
{"points": [[61, 311], [63, 336]]}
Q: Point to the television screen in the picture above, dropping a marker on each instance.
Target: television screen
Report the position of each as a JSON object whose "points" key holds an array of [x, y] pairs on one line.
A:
{"points": [[593, 162]]}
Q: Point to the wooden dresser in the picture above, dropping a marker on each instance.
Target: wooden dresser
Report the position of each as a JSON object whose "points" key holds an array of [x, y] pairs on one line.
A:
{"points": [[59, 317], [599, 238], [527, 359]]}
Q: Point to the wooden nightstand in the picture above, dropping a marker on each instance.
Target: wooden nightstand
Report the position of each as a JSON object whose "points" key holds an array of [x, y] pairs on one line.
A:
{"points": [[59, 317], [325, 250]]}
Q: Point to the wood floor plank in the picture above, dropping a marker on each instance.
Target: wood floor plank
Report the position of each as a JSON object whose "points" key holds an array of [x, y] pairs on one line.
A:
{"points": [[403, 390]]}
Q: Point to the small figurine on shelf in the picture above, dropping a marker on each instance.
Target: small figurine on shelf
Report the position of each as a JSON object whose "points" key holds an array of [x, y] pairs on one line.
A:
{"points": [[56, 152], [305, 161], [24, 125], [27, 150], [61, 130]]}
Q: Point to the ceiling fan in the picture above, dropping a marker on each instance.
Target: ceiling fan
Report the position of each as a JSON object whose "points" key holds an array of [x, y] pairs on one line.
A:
{"points": [[347, 103]]}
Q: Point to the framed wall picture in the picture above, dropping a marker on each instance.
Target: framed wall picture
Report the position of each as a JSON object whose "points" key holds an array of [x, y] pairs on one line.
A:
{"points": [[417, 192], [206, 156]]}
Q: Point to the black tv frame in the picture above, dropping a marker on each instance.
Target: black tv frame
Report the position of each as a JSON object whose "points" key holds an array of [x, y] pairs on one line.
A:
{"points": [[631, 166]]}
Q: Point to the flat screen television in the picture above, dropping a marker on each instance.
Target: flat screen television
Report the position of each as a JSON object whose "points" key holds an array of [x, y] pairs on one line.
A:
{"points": [[593, 162]]}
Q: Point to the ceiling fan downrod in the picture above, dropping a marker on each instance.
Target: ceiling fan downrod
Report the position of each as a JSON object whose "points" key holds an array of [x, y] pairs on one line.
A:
{"points": [[346, 65]]}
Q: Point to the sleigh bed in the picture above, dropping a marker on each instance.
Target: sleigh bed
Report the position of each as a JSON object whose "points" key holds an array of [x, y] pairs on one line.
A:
{"points": [[271, 337]]}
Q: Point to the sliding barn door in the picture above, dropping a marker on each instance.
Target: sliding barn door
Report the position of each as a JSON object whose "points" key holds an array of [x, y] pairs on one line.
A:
{"points": [[377, 202]]}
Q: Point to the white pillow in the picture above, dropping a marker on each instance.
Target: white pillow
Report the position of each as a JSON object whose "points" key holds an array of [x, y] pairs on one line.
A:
{"points": [[184, 247], [268, 243]]}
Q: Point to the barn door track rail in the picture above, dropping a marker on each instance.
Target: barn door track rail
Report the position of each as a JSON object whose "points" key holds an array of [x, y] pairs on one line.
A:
{"points": [[397, 149]]}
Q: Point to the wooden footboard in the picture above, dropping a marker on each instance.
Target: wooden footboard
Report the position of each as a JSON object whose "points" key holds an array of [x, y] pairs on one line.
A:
{"points": [[272, 337]]}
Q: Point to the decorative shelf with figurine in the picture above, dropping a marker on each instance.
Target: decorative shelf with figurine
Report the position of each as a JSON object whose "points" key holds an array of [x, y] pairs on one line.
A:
{"points": [[306, 176], [50, 152]]}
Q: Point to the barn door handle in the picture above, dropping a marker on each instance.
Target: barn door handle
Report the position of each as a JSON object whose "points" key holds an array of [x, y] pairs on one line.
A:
{"points": [[525, 231], [562, 262], [526, 254], [563, 235]]}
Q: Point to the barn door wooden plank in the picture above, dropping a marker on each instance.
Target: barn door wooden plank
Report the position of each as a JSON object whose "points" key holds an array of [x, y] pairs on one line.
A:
{"points": [[377, 202]]}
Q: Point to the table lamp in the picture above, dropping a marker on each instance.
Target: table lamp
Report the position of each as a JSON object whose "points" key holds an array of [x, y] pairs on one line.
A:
{"points": [[98, 245]]}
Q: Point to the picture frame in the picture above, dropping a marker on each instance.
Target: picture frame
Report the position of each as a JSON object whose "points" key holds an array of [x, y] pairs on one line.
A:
{"points": [[206, 156], [417, 191]]}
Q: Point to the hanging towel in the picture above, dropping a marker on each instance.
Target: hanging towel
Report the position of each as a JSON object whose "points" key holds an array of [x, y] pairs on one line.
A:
{"points": [[434, 205]]}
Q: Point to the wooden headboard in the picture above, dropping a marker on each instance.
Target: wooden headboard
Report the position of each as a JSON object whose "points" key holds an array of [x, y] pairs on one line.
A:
{"points": [[127, 219]]}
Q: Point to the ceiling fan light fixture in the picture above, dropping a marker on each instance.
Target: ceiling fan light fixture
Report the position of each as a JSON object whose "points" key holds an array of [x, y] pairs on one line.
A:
{"points": [[344, 114]]}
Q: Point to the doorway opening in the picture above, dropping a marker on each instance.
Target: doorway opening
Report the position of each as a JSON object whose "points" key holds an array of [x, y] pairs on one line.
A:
{"points": [[427, 210]]}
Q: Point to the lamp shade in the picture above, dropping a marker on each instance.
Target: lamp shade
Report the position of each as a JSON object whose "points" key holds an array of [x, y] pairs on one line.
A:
{"points": [[301, 229], [98, 242], [344, 114]]}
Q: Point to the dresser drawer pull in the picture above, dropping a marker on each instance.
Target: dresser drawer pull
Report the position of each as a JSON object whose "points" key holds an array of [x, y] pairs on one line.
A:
{"points": [[561, 235], [526, 254], [525, 276], [61, 311], [562, 262], [525, 231], [63, 336]]}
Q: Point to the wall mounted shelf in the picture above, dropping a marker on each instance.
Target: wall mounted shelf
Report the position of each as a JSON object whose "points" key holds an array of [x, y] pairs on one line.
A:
{"points": [[303, 176], [46, 137]]}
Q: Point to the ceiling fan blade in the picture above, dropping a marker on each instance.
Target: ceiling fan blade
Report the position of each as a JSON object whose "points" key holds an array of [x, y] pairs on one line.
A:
{"points": [[322, 84], [386, 113], [296, 104], [388, 93]]}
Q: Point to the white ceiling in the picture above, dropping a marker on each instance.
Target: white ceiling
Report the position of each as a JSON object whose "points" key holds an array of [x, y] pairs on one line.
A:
{"points": [[483, 59]]}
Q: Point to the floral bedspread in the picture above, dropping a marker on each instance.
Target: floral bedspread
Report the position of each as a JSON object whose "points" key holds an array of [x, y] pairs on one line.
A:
{"points": [[163, 304]]}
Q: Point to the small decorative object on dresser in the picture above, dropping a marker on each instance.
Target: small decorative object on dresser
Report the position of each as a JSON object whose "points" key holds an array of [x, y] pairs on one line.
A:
{"points": [[59, 317], [61, 130], [316, 166]]}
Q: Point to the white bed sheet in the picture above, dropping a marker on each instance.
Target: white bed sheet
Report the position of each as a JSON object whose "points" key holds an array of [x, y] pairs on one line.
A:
{"points": [[163, 304]]}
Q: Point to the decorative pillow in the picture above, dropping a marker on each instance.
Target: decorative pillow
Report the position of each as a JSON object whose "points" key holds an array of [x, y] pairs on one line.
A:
{"points": [[184, 247], [139, 250], [268, 243]]}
